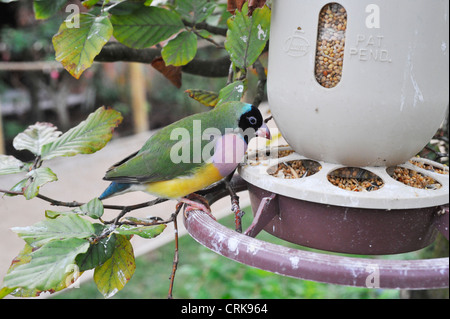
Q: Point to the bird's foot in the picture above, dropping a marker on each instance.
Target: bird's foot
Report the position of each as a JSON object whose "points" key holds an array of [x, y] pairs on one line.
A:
{"points": [[192, 204]]}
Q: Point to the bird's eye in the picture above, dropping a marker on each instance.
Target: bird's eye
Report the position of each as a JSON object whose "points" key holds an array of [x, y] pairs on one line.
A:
{"points": [[252, 120]]}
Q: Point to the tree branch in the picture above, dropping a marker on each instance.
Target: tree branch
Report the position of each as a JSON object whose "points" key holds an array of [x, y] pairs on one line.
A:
{"points": [[115, 51], [204, 26]]}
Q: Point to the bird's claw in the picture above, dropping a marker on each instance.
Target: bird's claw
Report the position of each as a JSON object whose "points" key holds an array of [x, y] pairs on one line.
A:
{"points": [[192, 205]]}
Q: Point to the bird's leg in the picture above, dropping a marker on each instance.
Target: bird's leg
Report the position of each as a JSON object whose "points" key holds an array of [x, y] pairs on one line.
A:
{"points": [[235, 208], [192, 204]]}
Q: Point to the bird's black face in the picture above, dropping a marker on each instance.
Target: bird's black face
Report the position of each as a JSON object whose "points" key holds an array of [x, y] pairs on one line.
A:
{"points": [[251, 119], [250, 122]]}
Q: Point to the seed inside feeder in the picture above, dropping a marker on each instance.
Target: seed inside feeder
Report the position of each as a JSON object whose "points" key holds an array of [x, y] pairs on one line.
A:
{"points": [[412, 178], [263, 155], [330, 45], [294, 169], [355, 179], [430, 168]]}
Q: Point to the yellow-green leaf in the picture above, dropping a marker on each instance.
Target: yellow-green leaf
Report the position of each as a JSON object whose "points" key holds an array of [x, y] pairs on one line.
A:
{"points": [[207, 98], [87, 137], [93, 209], [247, 35], [35, 136], [50, 266], [39, 177], [115, 273], [142, 231], [77, 46], [11, 165], [145, 27], [44, 9], [54, 229], [180, 50], [232, 92]]}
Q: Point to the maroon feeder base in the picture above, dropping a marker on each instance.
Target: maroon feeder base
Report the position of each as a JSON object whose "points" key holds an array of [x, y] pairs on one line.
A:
{"points": [[346, 229], [322, 267]]}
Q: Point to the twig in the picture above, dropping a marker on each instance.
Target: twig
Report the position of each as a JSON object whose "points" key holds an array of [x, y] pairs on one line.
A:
{"points": [[207, 27], [268, 119], [126, 209], [218, 45], [123, 209], [52, 201], [55, 202], [262, 79], [230, 74], [235, 208], [175, 256]]}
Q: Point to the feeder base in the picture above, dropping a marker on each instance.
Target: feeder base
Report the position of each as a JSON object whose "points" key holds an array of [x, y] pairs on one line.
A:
{"points": [[347, 229]]}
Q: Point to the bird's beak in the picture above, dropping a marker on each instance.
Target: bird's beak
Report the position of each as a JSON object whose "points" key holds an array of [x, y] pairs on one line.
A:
{"points": [[263, 131]]}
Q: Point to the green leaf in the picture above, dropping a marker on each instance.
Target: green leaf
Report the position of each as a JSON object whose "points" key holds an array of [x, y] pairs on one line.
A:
{"points": [[232, 92], [125, 7], [35, 136], [63, 227], [22, 258], [50, 268], [11, 165], [207, 98], [142, 231], [195, 11], [87, 137], [180, 50], [19, 187], [99, 252], [44, 9], [77, 46], [5, 290], [145, 27], [247, 36], [93, 209], [114, 274], [38, 177], [89, 3]]}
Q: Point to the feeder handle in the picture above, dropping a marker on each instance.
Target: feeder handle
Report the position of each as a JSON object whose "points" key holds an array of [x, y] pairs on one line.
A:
{"points": [[334, 269]]}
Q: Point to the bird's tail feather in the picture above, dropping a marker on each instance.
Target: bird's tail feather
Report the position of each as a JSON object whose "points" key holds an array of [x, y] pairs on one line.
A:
{"points": [[114, 189]]}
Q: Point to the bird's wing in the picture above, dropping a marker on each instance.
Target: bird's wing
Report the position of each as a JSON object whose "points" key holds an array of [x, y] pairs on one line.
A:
{"points": [[155, 162]]}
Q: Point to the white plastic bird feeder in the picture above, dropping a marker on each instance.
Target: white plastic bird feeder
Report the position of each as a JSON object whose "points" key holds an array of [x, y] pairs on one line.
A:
{"points": [[362, 83]]}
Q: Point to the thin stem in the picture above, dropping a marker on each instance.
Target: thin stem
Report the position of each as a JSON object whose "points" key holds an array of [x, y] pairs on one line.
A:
{"points": [[204, 26], [175, 256], [123, 209], [235, 207], [217, 45]]}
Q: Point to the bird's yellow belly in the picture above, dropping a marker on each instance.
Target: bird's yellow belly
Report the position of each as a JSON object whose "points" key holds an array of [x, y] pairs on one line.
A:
{"points": [[180, 187]]}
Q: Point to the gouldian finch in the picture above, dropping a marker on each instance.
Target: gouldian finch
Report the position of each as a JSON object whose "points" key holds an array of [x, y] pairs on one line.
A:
{"points": [[190, 154]]}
